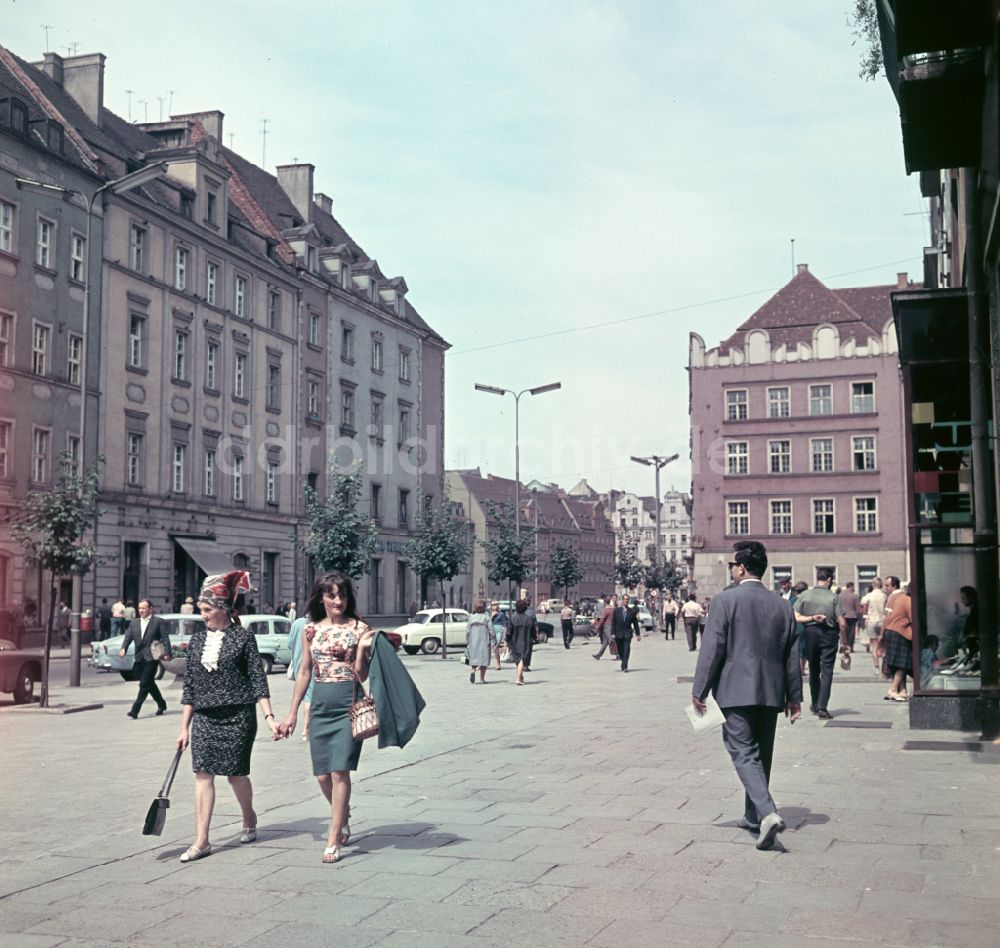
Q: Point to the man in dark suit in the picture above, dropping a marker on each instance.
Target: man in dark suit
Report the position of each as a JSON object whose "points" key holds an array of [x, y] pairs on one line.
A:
{"points": [[749, 660], [143, 631], [625, 621]]}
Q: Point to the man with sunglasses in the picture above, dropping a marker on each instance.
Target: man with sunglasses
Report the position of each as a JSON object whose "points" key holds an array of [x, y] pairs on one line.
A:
{"points": [[750, 661]]}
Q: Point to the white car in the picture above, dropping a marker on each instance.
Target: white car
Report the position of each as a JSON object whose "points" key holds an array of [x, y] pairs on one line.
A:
{"points": [[423, 632], [645, 619]]}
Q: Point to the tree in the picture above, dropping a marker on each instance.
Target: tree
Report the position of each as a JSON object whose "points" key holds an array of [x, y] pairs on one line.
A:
{"points": [[665, 575], [339, 537], [509, 558], [50, 526], [864, 26], [628, 570], [440, 550], [564, 564]]}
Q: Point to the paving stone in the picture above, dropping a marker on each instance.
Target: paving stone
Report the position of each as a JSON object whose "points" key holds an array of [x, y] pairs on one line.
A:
{"points": [[110, 923], [452, 918], [408, 886], [515, 870], [531, 897], [657, 934], [522, 926]]}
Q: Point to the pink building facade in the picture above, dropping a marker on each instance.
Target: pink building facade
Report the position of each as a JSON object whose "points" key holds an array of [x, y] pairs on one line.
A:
{"points": [[797, 439]]}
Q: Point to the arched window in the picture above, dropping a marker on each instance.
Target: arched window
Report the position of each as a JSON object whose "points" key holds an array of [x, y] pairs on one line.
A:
{"points": [[241, 561]]}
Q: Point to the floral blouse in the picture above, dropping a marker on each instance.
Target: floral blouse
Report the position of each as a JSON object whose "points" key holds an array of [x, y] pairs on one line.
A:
{"points": [[334, 650]]}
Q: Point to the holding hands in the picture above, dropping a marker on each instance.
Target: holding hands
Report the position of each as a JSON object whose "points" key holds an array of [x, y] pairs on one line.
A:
{"points": [[286, 728]]}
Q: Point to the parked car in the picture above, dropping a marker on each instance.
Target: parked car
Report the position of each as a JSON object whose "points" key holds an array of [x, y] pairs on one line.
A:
{"points": [[271, 633], [544, 630], [645, 619], [550, 605], [20, 669], [104, 654], [423, 632]]}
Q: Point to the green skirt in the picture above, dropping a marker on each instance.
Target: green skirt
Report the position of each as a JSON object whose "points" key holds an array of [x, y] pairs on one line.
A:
{"points": [[330, 741]]}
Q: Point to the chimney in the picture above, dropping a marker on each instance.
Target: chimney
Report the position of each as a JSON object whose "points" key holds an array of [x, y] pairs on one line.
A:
{"points": [[83, 79], [902, 281], [802, 268], [324, 202], [297, 182], [211, 122], [52, 66]]}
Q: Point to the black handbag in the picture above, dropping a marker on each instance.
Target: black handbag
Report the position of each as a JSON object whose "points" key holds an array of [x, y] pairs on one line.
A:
{"points": [[156, 815]]}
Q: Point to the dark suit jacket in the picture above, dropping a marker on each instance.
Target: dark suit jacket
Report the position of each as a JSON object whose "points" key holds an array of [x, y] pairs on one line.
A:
{"points": [[624, 622], [748, 653], [156, 631]]}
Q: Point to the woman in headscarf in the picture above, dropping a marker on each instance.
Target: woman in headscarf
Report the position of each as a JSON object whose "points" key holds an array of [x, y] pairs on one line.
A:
{"points": [[223, 681]]}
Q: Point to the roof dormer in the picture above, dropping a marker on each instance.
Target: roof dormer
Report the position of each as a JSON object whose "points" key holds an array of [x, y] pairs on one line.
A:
{"points": [[392, 292], [305, 243], [365, 278], [337, 261]]}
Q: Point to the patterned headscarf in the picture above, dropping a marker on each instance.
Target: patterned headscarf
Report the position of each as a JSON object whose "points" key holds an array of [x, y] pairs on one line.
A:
{"points": [[223, 590]]}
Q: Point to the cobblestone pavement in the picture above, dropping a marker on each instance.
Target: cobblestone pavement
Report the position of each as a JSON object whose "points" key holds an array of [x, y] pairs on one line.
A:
{"points": [[578, 810]]}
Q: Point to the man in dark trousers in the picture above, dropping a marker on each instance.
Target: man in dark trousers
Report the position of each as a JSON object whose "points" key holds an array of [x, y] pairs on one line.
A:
{"points": [[143, 631], [749, 660], [625, 621], [819, 611]]}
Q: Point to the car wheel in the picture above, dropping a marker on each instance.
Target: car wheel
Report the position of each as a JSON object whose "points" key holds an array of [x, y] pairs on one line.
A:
{"points": [[127, 675], [411, 649], [430, 646], [24, 689], [267, 663]]}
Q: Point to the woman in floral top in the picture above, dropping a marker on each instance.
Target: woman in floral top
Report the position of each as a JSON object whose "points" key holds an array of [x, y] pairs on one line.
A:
{"points": [[336, 661]]}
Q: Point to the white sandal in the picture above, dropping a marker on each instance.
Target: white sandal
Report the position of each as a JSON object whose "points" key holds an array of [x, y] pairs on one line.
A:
{"points": [[331, 854], [194, 853]]}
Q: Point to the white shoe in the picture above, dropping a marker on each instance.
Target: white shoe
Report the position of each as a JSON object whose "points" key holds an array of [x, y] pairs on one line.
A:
{"points": [[194, 853], [770, 826]]}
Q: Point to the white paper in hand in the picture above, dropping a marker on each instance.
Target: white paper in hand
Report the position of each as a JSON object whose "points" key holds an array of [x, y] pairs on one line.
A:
{"points": [[710, 720]]}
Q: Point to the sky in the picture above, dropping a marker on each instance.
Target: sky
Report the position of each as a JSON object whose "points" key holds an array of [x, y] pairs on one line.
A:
{"points": [[569, 187]]}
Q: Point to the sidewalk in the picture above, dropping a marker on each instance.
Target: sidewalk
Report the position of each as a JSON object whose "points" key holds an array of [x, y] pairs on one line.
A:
{"points": [[578, 810]]}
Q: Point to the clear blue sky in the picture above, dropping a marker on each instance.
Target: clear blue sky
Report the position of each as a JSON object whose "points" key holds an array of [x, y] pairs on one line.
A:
{"points": [[533, 168]]}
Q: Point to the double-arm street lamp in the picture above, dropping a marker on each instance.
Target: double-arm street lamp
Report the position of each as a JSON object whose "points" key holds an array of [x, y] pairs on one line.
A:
{"points": [[119, 186], [538, 390], [657, 461]]}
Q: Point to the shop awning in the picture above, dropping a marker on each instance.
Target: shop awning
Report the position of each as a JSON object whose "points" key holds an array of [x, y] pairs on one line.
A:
{"points": [[208, 554]]}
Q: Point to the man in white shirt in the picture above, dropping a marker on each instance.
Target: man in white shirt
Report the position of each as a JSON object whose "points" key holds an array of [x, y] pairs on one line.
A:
{"points": [[873, 608], [670, 611]]}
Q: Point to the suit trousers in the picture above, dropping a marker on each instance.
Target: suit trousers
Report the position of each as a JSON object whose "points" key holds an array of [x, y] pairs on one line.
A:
{"points": [[691, 628], [605, 641], [567, 631], [670, 627], [624, 648], [822, 645], [849, 634], [146, 673], [748, 736]]}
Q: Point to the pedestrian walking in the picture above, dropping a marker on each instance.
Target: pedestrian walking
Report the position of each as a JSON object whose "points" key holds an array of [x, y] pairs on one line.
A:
{"points": [[336, 661], [749, 662], [897, 633], [499, 623], [873, 612], [850, 610], [670, 610], [187, 607], [625, 622], [818, 609], [118, 623], [296, 644], [143, 632], [566, 619], [797, 590], [64, 622], [479, 639], [291, 612], [602, 626], [223, 681], [519, 637], [530, 612], [692, 613], [103, 620]]}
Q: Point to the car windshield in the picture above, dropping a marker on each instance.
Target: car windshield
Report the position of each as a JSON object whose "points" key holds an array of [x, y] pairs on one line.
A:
{"points": [[184, 626], [420, 618]]}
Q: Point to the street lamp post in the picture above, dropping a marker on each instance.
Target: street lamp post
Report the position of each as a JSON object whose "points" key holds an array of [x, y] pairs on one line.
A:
{"points": [[658, 462]]}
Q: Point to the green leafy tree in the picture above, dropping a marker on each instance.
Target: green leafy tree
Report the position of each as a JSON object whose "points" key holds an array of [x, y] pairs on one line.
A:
{"points": [[50, 527], [666, 574], [440, 551], [509, 558], [629, 570], [564, 564], [864, 25], [339, 537]]}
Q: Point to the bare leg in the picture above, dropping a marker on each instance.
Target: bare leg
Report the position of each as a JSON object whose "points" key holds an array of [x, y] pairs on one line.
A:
{"points": [[496, 655], [243, 790], [899, 681], [305, 719], [520, 673], [204, 803], [326, 785], [482, 674]]}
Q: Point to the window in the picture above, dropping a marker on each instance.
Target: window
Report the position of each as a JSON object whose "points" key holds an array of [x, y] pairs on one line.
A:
{"points": [[212, 366], [779, 403], [240, 375], [177, 466], [347, 408], [209, 479], [133, 459], [404, 424], [77, 252], [376, 426], [404, 505], [240, 297], [347, 343], [274, 387], [866, 573], [6, 227], [863, 452], [272, 482], [821, 451], [739, 517], [781, 517], [73, 450], [40, 348], [182, 257], [239, 478], [18, 116], [315, 328], [780, 455], [212, 284], [866, 515], [737, 457], [376, 354], [273, 310], [136, 340], [736, 404], [43, 243], [187, 206], [180, 355], [137, 248], [376, 507], [831, 570], [823, 520], [41, 442], [6, 437], [6, 328], [375, 587], [211, 207], [74, 356], [404, 365], [862, 397], [312, 397], [820, 399]]}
